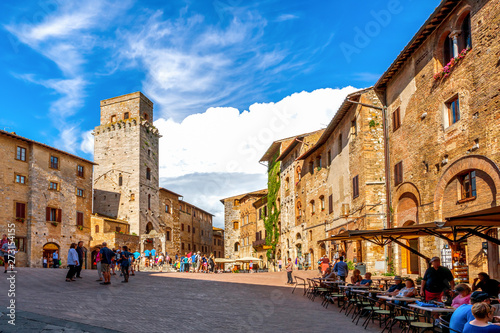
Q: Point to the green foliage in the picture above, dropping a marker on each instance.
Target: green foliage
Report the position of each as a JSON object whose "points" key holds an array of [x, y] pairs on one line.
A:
{"points": [[273, 211], [350, 265], [390, 268]]}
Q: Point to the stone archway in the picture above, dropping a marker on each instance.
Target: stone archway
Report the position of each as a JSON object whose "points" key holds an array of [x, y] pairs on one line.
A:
{"points": [[472, 162], [48, 251]]}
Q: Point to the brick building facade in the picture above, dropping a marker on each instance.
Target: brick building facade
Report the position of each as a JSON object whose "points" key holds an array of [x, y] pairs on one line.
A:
{"points": [[46, 199], [443, 148]]}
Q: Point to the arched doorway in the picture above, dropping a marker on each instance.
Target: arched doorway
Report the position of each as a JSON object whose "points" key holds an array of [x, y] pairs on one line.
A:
{"points": [[411, 259], [48, 251], [310, 259]]}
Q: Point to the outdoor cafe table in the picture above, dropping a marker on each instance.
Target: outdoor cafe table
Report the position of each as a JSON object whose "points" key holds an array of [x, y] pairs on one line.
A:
{"points": [[367, 291], [431, 309], [402, 299], [355, 287]]}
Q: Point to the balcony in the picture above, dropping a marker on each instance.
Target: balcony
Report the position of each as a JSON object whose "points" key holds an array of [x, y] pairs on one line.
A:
{"points": [[258, 243]]}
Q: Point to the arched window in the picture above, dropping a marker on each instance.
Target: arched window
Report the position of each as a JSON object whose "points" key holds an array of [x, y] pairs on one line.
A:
{"points": [[313, 207], [120, 180], [465, 34], [146, 116], [287, 183], [96, 229], [236, 225], [148, 174], [322, 199], [113, 118], [149, 201], [299, 208], [447, 50], [299, 173], [149, 227], [236, 202], [236, 247]]}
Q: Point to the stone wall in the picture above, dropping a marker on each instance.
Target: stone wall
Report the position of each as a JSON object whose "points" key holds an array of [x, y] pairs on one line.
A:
{"points": [[35, 231], [435, 154]]}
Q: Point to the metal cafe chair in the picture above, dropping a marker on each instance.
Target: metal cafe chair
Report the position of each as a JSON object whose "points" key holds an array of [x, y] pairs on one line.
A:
{"points": [[300, 282]]}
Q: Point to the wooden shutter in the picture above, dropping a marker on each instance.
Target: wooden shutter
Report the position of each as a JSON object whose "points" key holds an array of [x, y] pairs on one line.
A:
{"points": [[20, 210], [47, 214], [398, 173], [79, 218], [330, 204], [355, 187], [58, 215]]}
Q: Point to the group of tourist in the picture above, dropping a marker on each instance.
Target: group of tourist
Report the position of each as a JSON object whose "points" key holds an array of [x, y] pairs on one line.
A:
{"points": [[107, 261], [195, 262]]}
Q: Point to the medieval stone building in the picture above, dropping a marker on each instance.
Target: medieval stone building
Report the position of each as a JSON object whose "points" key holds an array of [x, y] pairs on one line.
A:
{"points": [[46, 199], [442, 100]]}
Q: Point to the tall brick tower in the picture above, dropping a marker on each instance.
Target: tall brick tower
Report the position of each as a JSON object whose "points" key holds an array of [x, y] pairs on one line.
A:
{"points": [[126, 182]]}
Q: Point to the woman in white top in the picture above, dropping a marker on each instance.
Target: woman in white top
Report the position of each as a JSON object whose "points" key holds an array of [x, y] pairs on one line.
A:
{"points": [[408, 290], [72, 262]]}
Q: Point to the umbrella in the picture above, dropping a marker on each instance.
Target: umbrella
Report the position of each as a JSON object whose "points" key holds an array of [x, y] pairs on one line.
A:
{"points": [[224, 260], [247, 259], [136, 255]]}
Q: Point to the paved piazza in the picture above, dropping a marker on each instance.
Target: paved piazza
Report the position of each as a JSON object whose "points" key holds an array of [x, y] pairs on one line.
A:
{"points": [[160, 302]]}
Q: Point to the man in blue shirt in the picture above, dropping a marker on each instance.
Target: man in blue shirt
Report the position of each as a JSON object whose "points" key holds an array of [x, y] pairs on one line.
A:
{"points": [[106, 258], [341, 269], [125, 263], [463, 314]]}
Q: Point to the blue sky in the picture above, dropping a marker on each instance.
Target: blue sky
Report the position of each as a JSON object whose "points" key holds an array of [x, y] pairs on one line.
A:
{"points": [[209, 66]]}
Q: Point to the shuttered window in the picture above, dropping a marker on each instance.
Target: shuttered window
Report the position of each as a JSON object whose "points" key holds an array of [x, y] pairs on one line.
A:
{"points": [[79, 218], [330, 204], [355, 187], [398, 173], [20, 210], [53, 214], [396, 119]]}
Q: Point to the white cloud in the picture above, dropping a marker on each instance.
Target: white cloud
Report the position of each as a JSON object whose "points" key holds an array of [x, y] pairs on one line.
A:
{"points": [[205, 190], [286, 17], [190, 63], [87, 142], [225, 140]]}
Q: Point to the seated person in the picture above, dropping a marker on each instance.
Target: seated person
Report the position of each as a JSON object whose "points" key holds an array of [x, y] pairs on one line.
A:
{"points": [[329, 274], [366, 281], [356, 276], [463, 296], [396, 287], [483, 314], [486, 284], [409, 289], [463, 313]]}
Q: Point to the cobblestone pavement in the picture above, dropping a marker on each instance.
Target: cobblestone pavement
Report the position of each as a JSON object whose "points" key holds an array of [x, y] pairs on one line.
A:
{"points": [[160, 302]]}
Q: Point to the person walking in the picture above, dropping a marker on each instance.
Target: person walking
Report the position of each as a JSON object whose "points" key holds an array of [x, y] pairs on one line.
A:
{"points": [[73, 262], [341, 269], [211, 263], [437, 279], [9, 253], [55, 259], [106, 258], [98, 263], [79, 250], [289, 269], [124, 263]]}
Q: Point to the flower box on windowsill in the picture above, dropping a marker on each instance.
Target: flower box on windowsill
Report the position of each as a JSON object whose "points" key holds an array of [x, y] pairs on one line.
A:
{"points": [[19, 219], [466, 200], [446, 70], [54, 223], [80, 227]]}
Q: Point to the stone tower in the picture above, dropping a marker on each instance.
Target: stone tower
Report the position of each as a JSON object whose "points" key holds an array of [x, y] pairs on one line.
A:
{"points": [[126, 181]]}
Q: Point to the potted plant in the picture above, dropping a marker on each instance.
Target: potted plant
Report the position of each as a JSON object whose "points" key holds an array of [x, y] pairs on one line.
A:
{"points": [[54, 224], [80, 227], [19, 219]]}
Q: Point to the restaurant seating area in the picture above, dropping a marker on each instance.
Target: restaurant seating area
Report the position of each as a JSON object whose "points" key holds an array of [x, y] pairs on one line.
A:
{"points": [[372, 307]]}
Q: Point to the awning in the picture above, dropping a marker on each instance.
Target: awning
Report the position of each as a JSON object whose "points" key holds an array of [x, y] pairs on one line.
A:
{"points": [[224, 260], [248, 259], [454, 230]]}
